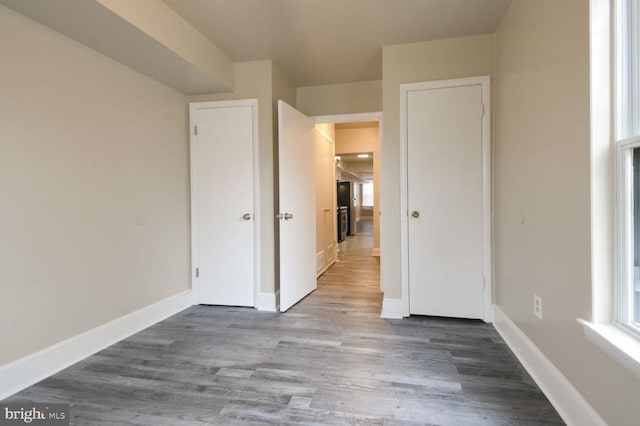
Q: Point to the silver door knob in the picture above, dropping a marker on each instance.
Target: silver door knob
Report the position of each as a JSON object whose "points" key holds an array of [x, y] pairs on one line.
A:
{"points": [[288, 216], [246, 216], [415, 214]]}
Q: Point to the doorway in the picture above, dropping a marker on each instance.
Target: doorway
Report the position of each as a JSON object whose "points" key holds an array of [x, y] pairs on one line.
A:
{"points": [[355, 140]]}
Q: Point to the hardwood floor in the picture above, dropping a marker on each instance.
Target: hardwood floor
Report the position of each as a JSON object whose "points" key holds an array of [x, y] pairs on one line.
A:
{"points": [[330, 360]]}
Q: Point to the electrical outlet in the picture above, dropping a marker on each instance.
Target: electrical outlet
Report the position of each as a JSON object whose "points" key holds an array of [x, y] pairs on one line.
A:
{"points": [[537, 306]]}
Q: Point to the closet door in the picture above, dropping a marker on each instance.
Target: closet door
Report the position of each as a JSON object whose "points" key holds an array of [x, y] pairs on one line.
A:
{"points": [[445, 201], [223, 213]]}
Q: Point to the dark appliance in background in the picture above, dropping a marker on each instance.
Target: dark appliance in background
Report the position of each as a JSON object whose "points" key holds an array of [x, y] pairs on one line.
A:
{"points": [[346, 198], [343, 223]]}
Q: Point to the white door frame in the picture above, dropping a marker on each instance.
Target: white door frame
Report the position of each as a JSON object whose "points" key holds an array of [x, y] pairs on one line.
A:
{"points": [[352, 118], [193, 107], [485, 83]]}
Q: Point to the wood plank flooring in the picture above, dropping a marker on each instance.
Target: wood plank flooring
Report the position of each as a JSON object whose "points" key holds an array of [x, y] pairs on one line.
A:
{"points": [[330, 360]]}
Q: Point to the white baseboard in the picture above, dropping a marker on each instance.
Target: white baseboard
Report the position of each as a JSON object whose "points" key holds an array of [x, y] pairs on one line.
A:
{"points": [[24, 372], [375, 252], [325, 268], [570, 404], [267, 302], [320, 261], [393, 308], [489, 314]]}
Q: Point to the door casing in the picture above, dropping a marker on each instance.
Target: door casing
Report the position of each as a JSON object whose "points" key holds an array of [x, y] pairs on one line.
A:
{"points": [[357, 117], [485, 83]]}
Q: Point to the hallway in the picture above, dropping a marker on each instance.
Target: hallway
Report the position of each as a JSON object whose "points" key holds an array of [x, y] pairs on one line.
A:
{"points": [[352, 285], [330, 360]]}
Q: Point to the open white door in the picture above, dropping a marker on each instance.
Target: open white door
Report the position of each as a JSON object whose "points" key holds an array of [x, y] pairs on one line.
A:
{"points": [[297, 189]]}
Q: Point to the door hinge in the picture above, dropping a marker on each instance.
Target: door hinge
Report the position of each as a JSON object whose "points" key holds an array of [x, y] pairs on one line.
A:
{"points": [[481, 110], [195, 130], [197, 272]]}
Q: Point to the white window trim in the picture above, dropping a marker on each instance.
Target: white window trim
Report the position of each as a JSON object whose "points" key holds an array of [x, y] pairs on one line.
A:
{"points": [[603, 330], [629, 65], [615, 342]]}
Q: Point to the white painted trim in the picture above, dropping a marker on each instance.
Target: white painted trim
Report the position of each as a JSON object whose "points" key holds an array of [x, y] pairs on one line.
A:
{"points": [[615, 342], [320, 262], [602, 162], [392, 308], [348, 118], [31, 369], [485, 83], [257, 217], [193, 170], [328, 259], [375, 252], [570, 404], [404, 202], [193, 107], [325, 268], [332, 250], [266, 302]]}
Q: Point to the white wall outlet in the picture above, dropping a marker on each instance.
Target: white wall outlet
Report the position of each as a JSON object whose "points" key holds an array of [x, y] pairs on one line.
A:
{"points": [[537, 306]]}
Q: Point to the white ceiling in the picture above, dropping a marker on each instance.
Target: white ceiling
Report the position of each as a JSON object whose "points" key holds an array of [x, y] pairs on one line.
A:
{"points": [[333, 41], [356, 168]]}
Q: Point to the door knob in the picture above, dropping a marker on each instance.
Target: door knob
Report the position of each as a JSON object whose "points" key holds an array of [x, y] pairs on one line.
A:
{"points": [[415, 214], [288, 216], [246, 216]]}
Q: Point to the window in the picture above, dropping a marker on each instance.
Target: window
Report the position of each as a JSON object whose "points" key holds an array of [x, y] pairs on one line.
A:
{"points": [[615, 326], [627, 140], [367, 194]]}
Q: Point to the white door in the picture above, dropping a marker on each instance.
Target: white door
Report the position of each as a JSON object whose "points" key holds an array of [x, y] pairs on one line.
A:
{"points": [[445, 201], [223, 215], [297, 191]]}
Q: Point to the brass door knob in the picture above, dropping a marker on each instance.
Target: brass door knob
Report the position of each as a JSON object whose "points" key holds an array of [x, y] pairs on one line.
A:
{"points": [[415, 214]]}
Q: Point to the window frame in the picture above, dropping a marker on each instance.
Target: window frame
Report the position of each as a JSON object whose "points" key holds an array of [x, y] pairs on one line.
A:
{"points": [[625, 103], [626, 63], [603, 329]]}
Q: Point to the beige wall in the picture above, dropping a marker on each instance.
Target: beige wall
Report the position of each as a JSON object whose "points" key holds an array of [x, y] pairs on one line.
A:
{"points": [[542, 169], [408, 63], [326, 232], [283, 87], [254, 81], [366, 139], [94, 177], [348, 98], [356, 140]]}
